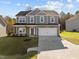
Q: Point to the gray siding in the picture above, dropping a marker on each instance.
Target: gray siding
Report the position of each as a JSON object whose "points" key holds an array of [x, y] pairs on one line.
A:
{"points": [[48, 19], [72, 25], [37, 19], [56, 19], [45, 18], [28, 19]]}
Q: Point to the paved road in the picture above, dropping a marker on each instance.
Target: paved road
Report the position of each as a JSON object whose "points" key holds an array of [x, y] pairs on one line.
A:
{"points": [[71, 52], [47, 43]]}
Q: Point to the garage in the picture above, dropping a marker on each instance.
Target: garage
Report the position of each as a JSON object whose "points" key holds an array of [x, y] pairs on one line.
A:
{"points": [[47, 32]]}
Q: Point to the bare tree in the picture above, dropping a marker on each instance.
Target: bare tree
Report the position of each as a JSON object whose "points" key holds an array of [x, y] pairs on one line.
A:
{"points": [[28, 8]]}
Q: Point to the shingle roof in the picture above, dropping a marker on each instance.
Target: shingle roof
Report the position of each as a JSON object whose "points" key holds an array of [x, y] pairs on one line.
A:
{"points": [[51, 12], [2, 21], [23, 13], [34, 12], [74, 17]]}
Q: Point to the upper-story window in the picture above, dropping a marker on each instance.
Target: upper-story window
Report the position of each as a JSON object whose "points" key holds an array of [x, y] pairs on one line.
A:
{"points": [[31, 19], [42, 19], [52, 20], [22, 19]]}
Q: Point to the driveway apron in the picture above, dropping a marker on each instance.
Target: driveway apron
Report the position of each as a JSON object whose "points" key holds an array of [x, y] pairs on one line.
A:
{"points": [[47, 43]]}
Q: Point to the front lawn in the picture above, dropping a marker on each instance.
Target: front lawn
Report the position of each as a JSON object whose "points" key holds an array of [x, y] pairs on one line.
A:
{"points": [[30, 55], [16, 47], [73, 37]]}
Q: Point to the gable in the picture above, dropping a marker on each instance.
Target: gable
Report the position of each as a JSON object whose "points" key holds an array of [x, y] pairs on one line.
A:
{"points": [[37, 12], [1, 22], [33, 12], [41, 13]]}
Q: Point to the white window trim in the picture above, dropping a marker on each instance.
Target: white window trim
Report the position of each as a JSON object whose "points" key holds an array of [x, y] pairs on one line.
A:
{"points": [[51, 19], [43, 19], [22, 19], [21, 29], [31, 19]]}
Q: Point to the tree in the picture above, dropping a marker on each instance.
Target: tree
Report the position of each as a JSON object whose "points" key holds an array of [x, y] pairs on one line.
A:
{"points": [[63, 19], [28, 8], [62, 14], [10, 21], [77, 12]]}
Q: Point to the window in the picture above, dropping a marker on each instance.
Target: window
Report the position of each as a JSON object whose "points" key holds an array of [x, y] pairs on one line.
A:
{"points": [[22, 30], [22, 19], [52, 20], [31, 19], [42, 19]]}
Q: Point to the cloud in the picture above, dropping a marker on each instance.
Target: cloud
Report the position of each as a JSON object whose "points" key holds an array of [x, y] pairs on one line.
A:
{"points": [[69, 6], [18, 4], [69, 1], [51, 5], [27, 5], [5, 2], [77, 0], [22, 5]]}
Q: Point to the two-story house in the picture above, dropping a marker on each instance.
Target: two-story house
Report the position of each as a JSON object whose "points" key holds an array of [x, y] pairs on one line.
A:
{"points": [[37, 22]]}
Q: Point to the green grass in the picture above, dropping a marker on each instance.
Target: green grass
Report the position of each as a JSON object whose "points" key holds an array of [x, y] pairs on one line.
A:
{"points": [[72, 37], [30, 55], [15, 47]]}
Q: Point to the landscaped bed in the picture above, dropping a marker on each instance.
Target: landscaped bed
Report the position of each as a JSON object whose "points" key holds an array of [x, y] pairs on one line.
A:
{"points": [[72, 37], [16, 47]]}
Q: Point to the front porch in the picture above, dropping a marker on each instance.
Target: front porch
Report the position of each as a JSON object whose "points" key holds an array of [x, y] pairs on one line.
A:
{"points": [[25, 31]]}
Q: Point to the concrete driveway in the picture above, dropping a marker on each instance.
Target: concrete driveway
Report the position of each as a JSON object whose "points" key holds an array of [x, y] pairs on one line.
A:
{"points": [[71, 52], [47, 43]]}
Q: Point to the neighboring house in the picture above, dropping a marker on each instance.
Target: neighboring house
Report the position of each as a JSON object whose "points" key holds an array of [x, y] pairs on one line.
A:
{"points": [[72, 24], [37, 22], [2, 27], [9, 28]]}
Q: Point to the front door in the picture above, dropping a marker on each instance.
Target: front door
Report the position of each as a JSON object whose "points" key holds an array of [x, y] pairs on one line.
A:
{"points": [[22, 31]]}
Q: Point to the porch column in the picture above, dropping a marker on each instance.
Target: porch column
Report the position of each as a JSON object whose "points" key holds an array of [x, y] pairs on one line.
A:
{"points": [[27, 31], [16, 30], [35, 31]]}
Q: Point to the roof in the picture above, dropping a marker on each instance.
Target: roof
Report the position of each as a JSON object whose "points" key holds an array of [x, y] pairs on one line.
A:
{"points": [[2, 21], [74, 17], [23, 13], [51, 12], [34, 12]]}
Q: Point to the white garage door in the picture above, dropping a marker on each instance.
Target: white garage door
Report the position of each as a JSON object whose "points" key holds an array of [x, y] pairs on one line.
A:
{"points": [[47, 31]]}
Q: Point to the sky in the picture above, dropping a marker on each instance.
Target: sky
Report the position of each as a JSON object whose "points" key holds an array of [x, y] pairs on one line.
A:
{"points": [[12, 7]]}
